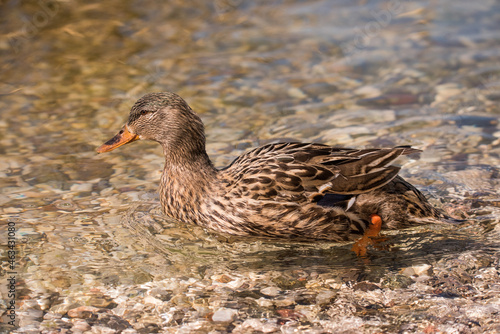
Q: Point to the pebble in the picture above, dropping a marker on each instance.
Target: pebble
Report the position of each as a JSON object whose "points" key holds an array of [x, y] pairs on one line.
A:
{"points": [[284, 301], [389, 99], [81, 187], [270, 291], [63, 308], [368, 91], [97, 329], [365, 286], [416, 270], [483, 311], [52, 316], [319, 88], [80, 325], [152, 300], [445, 91], [129, 331], [224, 315], [325, 297], [264, 302], [29, 323], [296, 93], [256, 325], [82, 312]]}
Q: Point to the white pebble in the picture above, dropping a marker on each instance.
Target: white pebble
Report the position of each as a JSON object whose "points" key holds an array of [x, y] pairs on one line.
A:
{"points": [[324, 297], [152, 300], [270, 291], [81, 187], [224, 315]]}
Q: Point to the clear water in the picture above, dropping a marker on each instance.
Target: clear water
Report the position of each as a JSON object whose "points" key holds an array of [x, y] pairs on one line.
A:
{"points": [[343, 73]]}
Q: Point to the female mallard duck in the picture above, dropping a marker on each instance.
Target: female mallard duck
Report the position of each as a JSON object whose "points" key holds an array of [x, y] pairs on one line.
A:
{"points": [[289, 190]]}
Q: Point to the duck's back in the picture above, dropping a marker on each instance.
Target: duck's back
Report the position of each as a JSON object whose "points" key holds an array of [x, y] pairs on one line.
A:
{"points": [[314, 191], [305, 172]]}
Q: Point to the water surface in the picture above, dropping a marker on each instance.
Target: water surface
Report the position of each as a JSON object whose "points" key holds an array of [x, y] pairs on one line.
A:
{"points": [[360, 74]]}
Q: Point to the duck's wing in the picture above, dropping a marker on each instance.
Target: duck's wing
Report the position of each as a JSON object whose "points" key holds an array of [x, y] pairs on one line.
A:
{"points": [[304, 172]]}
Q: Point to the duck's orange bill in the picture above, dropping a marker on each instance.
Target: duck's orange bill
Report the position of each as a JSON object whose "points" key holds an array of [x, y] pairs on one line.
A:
{"points": [[123, 137]]}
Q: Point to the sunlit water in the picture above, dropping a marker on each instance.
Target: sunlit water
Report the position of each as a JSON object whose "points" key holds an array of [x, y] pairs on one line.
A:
{"points": [[342, 73]]}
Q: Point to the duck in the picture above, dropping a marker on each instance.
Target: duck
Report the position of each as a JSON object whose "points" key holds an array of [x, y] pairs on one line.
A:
{"points": [[290, 190]]}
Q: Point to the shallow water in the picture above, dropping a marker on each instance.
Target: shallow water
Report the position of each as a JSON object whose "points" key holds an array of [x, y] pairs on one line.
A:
{"points": [[89, 232]]}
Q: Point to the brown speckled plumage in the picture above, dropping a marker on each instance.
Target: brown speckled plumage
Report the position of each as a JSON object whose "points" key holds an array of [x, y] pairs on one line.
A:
{"points": [[289, 190]]}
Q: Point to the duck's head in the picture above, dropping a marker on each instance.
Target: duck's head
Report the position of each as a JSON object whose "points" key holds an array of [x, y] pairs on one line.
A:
{"points": [[165, 118]]}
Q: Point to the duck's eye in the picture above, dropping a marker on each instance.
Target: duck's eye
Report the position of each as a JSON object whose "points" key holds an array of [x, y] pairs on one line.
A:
{"points": [[144, 112]]}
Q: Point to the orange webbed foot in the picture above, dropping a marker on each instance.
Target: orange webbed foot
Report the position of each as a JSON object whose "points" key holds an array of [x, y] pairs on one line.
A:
{"points": [[366, 240]]}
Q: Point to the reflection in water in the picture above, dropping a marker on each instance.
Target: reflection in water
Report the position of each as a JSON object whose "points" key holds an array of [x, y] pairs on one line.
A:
{"points": [[188, 248]]}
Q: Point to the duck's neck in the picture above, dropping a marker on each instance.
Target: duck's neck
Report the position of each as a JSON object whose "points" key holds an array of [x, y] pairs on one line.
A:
{"points": [[186, 181], [196, 166]]}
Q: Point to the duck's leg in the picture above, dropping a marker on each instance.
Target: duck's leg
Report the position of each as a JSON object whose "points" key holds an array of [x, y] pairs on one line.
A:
{"points": [[366, 240]]}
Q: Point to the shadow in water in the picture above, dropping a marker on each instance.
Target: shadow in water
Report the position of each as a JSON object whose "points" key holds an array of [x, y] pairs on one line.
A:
{"points": [[190, 249]]}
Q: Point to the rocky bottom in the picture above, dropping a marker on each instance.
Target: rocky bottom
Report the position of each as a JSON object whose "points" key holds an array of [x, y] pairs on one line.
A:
{"points": [[408, 284]]}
